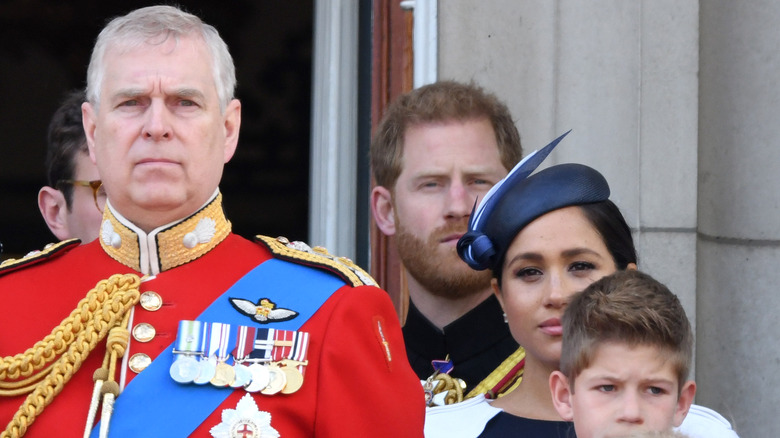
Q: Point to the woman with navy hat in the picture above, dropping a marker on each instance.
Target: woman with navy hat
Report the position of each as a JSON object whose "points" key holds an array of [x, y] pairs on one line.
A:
{"points": [[545, 237]]}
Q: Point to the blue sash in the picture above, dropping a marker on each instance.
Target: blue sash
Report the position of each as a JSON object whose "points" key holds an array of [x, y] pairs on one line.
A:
{"points": [[154, 404]]}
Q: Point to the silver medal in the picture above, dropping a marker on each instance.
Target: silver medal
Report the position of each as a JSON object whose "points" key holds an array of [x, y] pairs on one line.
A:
{"points": [[243, 376], [207, 369], [184, 369], [278, 380], [261, 377]]}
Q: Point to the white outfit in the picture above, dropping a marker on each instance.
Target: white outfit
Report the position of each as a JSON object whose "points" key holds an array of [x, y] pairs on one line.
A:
{"points": [[703, 422], [467, 419]]}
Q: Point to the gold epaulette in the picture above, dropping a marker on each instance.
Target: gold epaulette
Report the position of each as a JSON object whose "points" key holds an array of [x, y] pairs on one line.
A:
{"points": [[317, 257], [504, 378], [49, 252]]}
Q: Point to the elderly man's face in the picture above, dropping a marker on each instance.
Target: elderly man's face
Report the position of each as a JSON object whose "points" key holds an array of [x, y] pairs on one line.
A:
{"points": [[158, 136]]}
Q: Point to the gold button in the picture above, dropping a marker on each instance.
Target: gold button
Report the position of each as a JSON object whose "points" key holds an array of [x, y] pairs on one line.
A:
{"points": [[151, 301], [144, 332], [139, 362]]}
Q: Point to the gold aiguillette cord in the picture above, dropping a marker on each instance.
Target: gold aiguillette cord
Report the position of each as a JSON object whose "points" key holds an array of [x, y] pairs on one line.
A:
{"points": [[48, 366]]}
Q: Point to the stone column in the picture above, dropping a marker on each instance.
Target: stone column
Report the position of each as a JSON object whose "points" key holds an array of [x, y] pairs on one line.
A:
{"points": [[739, 221], [623, 76]]}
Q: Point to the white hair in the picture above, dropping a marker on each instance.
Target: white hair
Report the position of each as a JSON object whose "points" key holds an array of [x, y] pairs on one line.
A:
{"points": [[155, 25]]}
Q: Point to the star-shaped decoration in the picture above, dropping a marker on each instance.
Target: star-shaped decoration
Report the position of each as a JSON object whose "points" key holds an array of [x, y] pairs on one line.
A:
{"points": [[246, 421]]}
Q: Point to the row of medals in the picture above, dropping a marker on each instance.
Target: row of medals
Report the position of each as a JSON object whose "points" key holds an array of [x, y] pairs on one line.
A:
{"points": [[268, 378]]}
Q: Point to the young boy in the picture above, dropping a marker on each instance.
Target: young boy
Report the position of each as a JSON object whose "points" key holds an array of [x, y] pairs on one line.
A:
{"points": [[626, 353]]}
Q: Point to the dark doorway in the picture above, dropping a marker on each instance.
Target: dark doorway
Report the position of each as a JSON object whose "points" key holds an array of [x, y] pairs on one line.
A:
{"points": [[44, 51]]}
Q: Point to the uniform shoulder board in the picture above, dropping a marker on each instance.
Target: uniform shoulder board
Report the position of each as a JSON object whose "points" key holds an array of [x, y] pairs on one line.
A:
{"points": [[49, 252], [317, 257]]}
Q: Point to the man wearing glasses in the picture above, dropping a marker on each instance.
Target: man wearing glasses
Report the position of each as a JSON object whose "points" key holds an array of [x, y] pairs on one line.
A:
{"points": [[72, 203]]}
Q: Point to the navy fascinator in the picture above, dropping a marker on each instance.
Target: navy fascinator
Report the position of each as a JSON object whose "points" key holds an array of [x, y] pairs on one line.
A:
{"points": [[519, 199]]}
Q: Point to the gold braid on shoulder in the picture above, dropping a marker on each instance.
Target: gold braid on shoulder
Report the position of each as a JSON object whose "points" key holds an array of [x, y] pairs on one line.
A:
{"points": [[45, 368]]}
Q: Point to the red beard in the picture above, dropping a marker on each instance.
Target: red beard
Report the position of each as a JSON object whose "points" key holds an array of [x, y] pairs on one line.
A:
{"points": [[437, 267]]}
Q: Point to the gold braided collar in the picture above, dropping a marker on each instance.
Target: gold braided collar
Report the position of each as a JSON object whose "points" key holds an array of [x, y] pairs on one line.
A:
{"points": [[166, 247]]}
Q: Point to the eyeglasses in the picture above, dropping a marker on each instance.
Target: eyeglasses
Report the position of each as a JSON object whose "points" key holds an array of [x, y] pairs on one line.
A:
{"points": [[98, 192]]}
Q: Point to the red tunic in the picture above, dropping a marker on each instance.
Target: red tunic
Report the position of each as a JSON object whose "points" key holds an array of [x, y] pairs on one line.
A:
{"points": [[355, 385]]}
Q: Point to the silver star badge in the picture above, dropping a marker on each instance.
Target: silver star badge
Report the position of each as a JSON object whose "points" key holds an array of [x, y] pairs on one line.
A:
{"points": [[246, 421]]}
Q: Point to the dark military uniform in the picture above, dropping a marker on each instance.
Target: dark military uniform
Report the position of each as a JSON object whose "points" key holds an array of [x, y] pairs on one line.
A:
{"points": [[477, 342]]}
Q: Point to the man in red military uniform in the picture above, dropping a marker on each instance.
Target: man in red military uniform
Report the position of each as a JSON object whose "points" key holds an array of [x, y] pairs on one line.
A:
{"points": [[168, 324]]}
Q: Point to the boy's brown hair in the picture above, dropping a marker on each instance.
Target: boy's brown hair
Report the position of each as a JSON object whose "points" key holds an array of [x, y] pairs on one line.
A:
{"points": [[627, 307], [440, 102]]}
